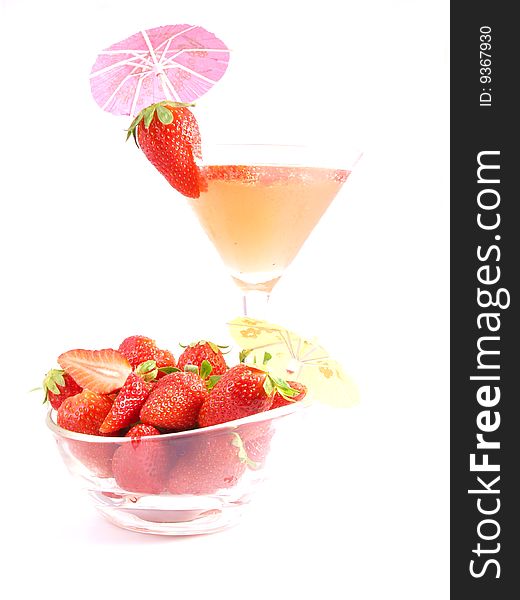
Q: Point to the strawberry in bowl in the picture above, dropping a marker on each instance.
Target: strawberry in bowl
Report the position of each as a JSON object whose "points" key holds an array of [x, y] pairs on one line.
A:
{"points": [[165, 444]]}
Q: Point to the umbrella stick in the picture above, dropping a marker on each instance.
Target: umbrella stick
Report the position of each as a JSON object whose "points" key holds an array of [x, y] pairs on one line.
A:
{"points": [[167, 89]]}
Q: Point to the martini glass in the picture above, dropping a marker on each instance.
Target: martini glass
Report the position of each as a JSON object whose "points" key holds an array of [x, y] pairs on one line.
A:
{"points": [[258, 205]]}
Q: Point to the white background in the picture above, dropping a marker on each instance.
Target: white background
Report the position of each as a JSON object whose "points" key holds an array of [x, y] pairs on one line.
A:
{"points": [[96, 246]]}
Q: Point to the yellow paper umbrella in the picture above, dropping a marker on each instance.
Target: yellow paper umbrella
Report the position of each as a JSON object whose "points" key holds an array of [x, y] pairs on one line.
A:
{"points": [[295, 358]]}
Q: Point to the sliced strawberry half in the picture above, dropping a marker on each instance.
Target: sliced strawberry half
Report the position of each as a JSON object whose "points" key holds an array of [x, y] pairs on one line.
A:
{"points": [[100, 371]]}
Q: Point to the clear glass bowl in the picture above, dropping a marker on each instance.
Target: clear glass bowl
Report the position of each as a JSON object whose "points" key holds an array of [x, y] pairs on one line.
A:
{"points": [[185, 483]]}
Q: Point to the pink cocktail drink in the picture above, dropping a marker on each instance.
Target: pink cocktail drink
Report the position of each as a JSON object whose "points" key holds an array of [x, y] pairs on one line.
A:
{"points": [[258, 217]]}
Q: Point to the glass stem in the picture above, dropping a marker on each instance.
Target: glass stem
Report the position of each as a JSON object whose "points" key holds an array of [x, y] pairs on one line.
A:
{"points": [[255, 304]]}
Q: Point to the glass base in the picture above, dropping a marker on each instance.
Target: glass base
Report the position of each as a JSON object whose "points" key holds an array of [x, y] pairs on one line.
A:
{"points": [[169, 515], [266, 285]]}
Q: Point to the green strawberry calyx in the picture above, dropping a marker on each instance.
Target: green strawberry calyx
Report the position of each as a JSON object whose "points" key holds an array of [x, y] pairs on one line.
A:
{"points": [[146, 115], [204, 373], [205, 369], [243, 355], [168, 370], [215, 347], [212, 381], [52, 380], [246, 352], [147, 370], [273, 384]]}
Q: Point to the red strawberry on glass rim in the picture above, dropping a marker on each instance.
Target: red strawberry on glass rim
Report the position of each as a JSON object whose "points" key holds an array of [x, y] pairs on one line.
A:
{"points": [[168, 134]]}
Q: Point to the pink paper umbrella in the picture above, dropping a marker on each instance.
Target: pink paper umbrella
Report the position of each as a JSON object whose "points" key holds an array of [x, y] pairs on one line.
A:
{"points": [[173, 62]]}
